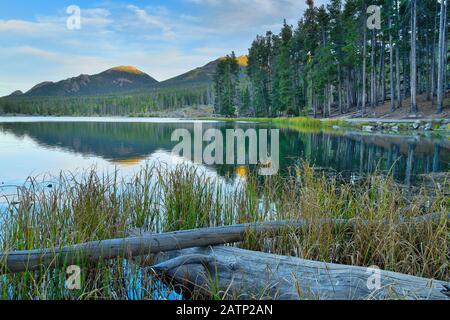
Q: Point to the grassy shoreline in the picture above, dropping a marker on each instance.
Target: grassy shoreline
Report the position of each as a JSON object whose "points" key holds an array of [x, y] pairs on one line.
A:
{"points": [[298, 122], [95, 207], [439, 125], [308, 123]]}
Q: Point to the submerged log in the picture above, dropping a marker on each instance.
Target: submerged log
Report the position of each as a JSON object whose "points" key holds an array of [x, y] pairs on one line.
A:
{"points": [[145, 244], [236, 273]]}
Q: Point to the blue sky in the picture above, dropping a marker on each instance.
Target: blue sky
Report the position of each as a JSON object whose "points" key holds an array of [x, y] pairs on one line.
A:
{"points": [[162, 38]]}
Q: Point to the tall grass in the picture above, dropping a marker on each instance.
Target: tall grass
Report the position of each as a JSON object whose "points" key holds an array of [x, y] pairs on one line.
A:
{"points": [[91, 206], [305, 123], [377, 205], [308, 123]]}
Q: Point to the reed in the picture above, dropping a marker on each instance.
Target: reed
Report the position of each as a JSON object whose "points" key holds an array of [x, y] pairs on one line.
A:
{"points": [[91, 206], [303, 123]]}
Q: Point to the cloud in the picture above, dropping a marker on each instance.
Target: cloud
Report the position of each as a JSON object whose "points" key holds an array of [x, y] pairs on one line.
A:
{"points": [[51, 26], [164, 40], [36, 52], [153, 20], [25, 27], [97, 17], [30, 65], [248, 15]]}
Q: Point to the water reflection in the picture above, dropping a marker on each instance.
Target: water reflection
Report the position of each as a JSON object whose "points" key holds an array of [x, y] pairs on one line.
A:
{"points": [[127, 144]]}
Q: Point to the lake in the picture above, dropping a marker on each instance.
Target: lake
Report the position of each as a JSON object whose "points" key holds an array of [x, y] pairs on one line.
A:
{"points": [[45, 146]]}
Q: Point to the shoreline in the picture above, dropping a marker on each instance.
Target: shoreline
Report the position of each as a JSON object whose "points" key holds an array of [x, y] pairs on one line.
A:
{"points": [[437, 125]]}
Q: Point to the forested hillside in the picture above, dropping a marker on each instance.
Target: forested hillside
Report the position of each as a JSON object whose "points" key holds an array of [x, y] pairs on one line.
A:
{"points": [[120, 91], [203, 75], [143, 103], [331, 61], [114, 80]]}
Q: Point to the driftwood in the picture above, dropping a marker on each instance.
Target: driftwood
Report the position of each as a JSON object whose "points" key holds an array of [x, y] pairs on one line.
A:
{"points": [[30, 260], [185, 257], [238, 273]]}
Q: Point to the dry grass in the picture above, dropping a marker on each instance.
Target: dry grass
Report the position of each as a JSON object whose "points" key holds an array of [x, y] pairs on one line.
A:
{"points": [[93, 207]]}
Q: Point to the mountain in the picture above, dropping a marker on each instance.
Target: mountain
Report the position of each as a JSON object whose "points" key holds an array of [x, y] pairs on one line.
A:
{"points": [[122, 79], [16, 93], [117, 79], [197, 76], [202, 75]]}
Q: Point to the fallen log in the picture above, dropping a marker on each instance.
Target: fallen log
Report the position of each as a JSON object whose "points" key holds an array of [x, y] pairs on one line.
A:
{"points": [[145, 244], [236, 273], [30, 260]]}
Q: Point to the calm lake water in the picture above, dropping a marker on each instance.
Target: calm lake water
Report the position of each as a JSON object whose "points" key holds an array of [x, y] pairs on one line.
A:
{"points": [[43, 147], [36, 146]]}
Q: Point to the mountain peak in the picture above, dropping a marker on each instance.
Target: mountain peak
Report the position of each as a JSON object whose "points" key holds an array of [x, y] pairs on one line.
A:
{"points": [[117, 79], [128, 69], [16, 93]]}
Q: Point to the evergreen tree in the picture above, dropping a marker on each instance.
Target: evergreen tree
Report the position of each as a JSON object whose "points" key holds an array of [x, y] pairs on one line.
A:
{"points": [[226, 82], [332, 63]]}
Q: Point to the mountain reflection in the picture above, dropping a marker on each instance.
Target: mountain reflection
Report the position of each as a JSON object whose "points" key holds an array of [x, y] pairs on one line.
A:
{"points": [[128, 144]]}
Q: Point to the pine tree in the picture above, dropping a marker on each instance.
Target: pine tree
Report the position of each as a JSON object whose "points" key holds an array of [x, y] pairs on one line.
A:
{"points": [[226, 82], [326, 63]]}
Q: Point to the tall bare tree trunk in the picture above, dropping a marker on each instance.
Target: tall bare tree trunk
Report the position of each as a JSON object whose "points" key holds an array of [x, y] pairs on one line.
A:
{"points": [[313, 105], [348, 94], [373, 95], [397, 58], [413, 56], [445, 47], [391, 67], [427, 62], [340, 89], [382, 73], [433, 63], [441, 62], [363, 97], [329, 96]]}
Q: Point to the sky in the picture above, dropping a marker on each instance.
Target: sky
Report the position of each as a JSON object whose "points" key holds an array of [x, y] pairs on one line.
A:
{"points": [[161, 38]]}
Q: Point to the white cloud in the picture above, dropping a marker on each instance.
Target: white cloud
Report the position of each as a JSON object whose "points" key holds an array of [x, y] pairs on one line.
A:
{"points": [[162, 41], [51, 26], [248, 15], [36, 52], [153, 20], [97, 17], [25, 27], [56, 66]]}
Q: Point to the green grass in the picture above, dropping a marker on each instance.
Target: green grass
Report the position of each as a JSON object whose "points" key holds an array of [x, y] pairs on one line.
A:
{"points": [[309, 123], [94, 207], [295, 122]]}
